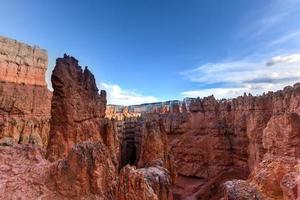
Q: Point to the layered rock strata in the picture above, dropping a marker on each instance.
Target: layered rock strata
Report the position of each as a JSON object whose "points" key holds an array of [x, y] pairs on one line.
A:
{"points": [[21, 63], [145, 147], [83, 152], [278, 175], [215, 141], [24, 97]]}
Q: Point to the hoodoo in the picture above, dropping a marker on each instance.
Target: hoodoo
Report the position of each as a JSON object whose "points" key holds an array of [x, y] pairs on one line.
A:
{"points": [[81, 158], [245, 148]]}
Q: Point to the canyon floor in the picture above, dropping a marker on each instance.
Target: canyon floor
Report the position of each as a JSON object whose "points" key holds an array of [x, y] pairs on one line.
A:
{"points": [[69, 144]]}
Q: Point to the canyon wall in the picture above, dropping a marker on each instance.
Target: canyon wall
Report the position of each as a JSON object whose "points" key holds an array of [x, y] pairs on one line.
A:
{"points": [[83, 158], [236, 149], [21, 63], [24, 97], [215, 141], [278, 175]]}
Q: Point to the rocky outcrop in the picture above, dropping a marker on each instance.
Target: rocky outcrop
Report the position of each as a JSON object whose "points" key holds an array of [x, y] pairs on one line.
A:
{"points": [[23, 173], [77, 108], [21, 63], [277, 176], [242, 148], [90, 169], [218, 140], [120, 113], [24, 97], [152, 145], [145, 148], [83, 159], [151, 183], [88, 172]]}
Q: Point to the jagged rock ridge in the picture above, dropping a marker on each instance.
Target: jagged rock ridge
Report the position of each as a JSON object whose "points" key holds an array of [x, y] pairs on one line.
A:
{"points": [[83, 151]]}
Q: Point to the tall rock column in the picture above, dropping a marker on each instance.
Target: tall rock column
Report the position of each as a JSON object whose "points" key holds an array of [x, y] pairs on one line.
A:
{"points": [[77, 109]]}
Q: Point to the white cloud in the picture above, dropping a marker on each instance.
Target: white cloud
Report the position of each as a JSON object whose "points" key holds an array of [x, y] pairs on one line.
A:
{"points": [[233, 78], [268, 58], [272, 16], [119, 96], [284, 59], [229, 93], [219, 93]]}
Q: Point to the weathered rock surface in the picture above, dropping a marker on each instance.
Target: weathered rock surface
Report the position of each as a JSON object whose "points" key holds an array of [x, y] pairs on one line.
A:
{"points": [[83, 151], [151, 183], [214, 141], [21, 63], [152, 145], [145, 147], [24, 97], [88, 172], [23, 172], [76, 108], [276, 177]]}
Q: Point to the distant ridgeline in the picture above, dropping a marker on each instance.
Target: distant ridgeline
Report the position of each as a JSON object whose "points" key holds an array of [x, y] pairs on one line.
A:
{"points": [[120, 112]]}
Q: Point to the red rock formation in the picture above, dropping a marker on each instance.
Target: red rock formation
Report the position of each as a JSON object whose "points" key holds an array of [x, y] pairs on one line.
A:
{"points": [[145, 146], [215, 141], [21, 63], [88, 172], [151, 183], [88, 146], [252, 138], [77, 108], [23, 173], [24, 97], [90, 168], [276, 177], [153, 148]]}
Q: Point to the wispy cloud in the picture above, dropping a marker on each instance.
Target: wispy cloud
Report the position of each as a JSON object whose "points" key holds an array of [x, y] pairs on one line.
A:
{"points": [[287, 38], [267, 59], [269, 17], [242, 76], [284, 59], [119, 96]]}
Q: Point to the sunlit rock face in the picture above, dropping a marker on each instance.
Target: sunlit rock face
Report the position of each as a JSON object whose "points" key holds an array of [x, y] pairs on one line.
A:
{"points": [[237, 149], [278, 175], [215, 141], [83, 159], [146, 158], [24, 97], [77, 108], [21, 63]]}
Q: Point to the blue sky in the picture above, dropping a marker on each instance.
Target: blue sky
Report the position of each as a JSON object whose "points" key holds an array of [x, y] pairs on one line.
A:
{"points": [[155, 50]]}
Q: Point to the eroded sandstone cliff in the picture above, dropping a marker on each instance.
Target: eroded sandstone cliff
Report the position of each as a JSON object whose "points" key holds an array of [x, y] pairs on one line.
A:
{"points": [[278, 175], [214, 141], [24, 97], [243, 148], [83, 154], [22, 63]]}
